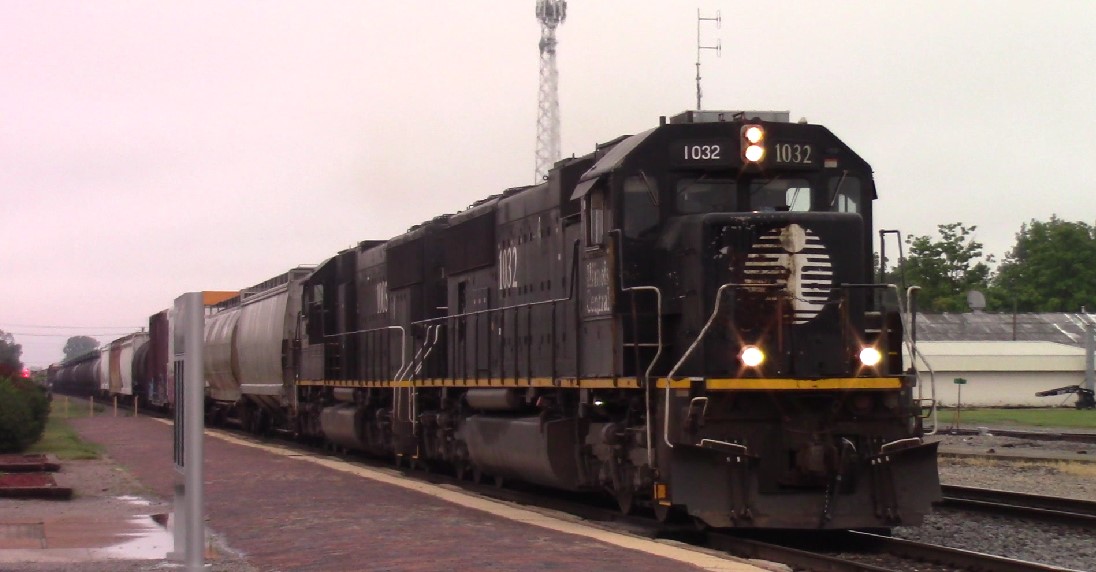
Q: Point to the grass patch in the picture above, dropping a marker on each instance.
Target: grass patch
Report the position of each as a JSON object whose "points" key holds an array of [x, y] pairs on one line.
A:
{"points": [[59, 439], [1051, 417]]}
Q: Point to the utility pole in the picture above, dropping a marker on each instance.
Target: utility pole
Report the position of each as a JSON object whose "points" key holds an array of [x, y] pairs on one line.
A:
{"points": [[699, 47], [550, 13]]}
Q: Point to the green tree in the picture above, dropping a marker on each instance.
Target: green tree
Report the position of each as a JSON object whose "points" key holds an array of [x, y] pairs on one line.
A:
{"points": [[945, 268], [10, 355], [79, 345], [1051, 268]]}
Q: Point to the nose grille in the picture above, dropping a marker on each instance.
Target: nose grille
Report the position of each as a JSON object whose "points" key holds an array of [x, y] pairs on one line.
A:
{"points": [[794, 258]]}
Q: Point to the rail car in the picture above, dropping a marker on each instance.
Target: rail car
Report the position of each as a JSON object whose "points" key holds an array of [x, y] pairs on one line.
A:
{"points": [[135, 366], [118, 368]]}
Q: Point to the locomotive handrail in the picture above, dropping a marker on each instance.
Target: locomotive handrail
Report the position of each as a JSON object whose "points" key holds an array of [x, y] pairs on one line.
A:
{"points": [[650, 366], [692, 347], [400, 373], [915, 353], [658, 352], [413, 391], [403, 374], [403, 340], [429, 347], [570, 296], [571, 293], [908, 315]]}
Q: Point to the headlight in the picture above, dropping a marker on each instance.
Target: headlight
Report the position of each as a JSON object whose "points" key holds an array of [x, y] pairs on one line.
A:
{"points": [[754, 134], [755, 153], [751, 356], [870, 356]]}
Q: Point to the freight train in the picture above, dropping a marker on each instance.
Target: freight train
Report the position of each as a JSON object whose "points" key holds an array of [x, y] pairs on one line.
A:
{"points": [[685, 319]]}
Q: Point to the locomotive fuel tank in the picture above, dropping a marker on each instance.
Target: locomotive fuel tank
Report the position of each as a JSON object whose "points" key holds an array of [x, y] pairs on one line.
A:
{"points": [[342, 425], [527, 448]]}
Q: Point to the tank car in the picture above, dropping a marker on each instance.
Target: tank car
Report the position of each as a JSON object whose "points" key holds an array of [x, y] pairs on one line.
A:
{"points": [[76, 376], [685, 318]]}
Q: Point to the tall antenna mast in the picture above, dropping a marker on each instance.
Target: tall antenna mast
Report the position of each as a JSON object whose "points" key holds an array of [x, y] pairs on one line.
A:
{"points": [[551, 14], [717, 47]]}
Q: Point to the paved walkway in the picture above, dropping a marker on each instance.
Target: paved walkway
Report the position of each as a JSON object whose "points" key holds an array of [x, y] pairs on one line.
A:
{"points": [[291, 511]]}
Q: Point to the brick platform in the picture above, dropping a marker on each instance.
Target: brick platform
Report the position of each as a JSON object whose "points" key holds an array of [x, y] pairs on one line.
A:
{"points": [[285, 513]]}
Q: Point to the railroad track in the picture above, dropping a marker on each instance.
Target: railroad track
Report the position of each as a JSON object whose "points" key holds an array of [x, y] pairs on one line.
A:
{"points": [[1051, 509], [908, 555], [1033, 435], [824, 551]]}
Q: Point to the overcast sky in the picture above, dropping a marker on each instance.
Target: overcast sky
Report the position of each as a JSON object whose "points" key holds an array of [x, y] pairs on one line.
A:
{"points": [[149, 149]]}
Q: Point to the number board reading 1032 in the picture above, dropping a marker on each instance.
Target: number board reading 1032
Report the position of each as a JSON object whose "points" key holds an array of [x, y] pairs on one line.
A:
{"points": [[710, 152], [799, 154]]}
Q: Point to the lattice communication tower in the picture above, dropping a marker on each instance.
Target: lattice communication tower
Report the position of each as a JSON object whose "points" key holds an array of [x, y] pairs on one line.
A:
{"points": [[551, 14]]}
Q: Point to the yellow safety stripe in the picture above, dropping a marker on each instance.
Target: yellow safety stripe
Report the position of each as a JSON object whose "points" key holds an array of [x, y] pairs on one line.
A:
{"points": [[734, 384], [805, 384], [569, 383]]}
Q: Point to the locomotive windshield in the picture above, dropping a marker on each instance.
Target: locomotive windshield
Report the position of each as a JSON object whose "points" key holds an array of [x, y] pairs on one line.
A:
{"points": [[705, 194], [780, 194]]}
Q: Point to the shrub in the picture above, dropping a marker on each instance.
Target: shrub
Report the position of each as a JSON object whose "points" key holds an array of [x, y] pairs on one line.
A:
{"points": [[24, 408]]}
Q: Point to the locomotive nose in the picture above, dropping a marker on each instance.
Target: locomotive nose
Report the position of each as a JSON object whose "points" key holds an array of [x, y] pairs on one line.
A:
{"points": [[775, 280]]}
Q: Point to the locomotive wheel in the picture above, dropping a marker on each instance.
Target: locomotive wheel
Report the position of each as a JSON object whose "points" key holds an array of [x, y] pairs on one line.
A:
{"points": [[626, 500], [668, 514]]}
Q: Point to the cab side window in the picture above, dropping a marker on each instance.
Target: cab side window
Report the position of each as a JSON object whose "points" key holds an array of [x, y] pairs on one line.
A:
{"points": [[844, 193], [596, 214], [640, 206]]}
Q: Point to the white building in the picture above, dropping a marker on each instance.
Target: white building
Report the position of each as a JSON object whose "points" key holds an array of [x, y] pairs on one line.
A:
{"points": [[1001, 373]]}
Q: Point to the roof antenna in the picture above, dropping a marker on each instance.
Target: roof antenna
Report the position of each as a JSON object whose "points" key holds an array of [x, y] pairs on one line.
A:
{"points": [[718, 47]]}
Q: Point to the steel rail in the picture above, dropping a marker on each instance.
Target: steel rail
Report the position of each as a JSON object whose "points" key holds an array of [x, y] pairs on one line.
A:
{"points": [[1024, 505], [955, 557], [1033, 435]]}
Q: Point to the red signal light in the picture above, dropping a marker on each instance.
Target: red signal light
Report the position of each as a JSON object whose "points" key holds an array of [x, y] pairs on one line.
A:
{"points": [[26, 373]]}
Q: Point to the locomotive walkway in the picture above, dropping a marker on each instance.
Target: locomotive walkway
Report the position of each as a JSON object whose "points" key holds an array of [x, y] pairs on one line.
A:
{"points": [[286, 510]]}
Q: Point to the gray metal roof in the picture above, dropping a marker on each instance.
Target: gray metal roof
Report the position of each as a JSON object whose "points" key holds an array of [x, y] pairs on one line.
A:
{"points": [[979, 326]]}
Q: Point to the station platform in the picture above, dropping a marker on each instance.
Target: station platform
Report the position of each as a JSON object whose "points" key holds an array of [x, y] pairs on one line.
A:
{"points": [[282, 509]]}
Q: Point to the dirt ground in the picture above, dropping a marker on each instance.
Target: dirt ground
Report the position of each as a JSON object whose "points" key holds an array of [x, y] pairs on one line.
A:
{"points": [[96, 484]]}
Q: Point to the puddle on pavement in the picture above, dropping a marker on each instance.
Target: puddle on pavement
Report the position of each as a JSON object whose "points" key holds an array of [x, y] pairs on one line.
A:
{"points": [[143, 539], [136, 501]]}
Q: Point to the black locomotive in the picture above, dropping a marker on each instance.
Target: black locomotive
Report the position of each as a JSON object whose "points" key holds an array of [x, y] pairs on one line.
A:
{"points": [[684, 318]]}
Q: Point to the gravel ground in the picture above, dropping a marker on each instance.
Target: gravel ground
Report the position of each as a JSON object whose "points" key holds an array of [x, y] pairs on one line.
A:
{"points": [[1054, 478], [1063, 546]]}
